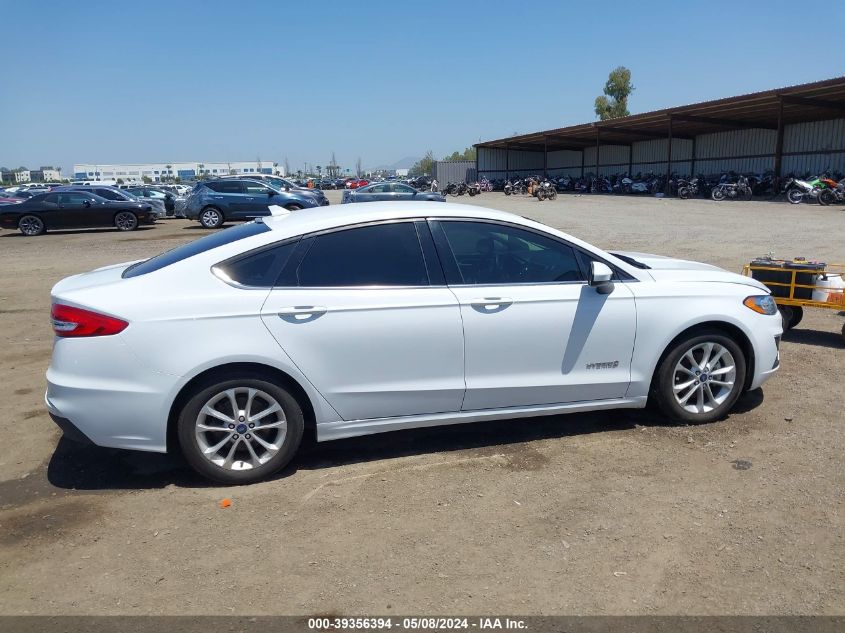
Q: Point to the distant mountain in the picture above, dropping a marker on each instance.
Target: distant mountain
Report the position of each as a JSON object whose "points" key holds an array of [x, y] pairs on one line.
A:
{"points": [[404, 163]]}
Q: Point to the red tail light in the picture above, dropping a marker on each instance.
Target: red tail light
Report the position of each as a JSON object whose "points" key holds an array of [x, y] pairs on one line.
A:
{"points": [[69, 321]]}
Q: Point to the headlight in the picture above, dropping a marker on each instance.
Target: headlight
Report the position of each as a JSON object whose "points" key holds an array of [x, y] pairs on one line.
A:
{"points": [[764, 304]]}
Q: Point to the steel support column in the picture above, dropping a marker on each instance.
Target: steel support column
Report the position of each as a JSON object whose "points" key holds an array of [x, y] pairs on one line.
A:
{"points": [[779, 146], [545, 156], [598, 138], [666, 187], [507, 162], [692, 160]]}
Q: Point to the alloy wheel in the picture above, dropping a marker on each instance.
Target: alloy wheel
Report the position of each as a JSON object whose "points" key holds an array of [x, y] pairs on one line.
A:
{"points": [[704, 377], [31, 225], [240, 428], [210, 218], [126, 221]]}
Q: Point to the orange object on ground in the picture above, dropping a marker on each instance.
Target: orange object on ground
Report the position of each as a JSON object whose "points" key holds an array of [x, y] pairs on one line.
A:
{"points": [[225, 503]]}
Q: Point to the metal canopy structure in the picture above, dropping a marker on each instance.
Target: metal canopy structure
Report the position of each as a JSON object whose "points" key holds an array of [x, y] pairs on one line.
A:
{"points": [[771, 109]]}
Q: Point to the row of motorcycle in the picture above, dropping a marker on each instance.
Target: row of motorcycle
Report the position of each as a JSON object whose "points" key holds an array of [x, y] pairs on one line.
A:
{"points": [[462, 188], [826, 188]]}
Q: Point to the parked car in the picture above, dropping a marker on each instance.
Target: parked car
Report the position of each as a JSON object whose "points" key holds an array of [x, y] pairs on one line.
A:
{"points": [[73, 210], [215, 202], [384, 191], [152, 193], [379, 317], [282, 184], [354, 183], [115, 194]]}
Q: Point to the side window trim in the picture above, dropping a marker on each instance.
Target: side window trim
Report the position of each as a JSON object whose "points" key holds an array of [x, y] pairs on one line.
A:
{"points": [[217, 269]]}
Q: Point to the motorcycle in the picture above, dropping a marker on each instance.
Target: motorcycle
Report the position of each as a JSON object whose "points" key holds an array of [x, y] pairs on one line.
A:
{"points": [[834, 193], [515, 187], [798, 190], [689, 189], [732, 190], [474, 189], [545, 190]]}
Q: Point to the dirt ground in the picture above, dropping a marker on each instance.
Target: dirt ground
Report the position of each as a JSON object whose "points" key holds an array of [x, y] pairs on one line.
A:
{"points": [[604, 513]]}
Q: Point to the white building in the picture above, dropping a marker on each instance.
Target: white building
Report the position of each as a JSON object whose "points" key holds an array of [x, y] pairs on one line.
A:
{"points": [[50, 175], [21, 176], [160, 172]]}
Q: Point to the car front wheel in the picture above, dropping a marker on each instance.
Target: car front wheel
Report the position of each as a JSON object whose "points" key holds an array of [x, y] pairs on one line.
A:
{"points": [[126, 221], [240, 430], [700, 378], [211, 218]]}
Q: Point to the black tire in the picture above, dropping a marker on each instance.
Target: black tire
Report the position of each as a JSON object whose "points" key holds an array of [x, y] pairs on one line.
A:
{"points": [[663, 385], [552, 195], [186, 428], [826, 197], [684, 193], [717, 194], [126, 221], [31, 225], [293, 207], [795, 196], [790, 316], [211, 218]]}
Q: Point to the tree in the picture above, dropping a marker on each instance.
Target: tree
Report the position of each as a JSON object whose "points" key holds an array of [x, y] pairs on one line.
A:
{"points": [[614, 103], [146, 179], [424, 166], [467, 154], [120, 181]]}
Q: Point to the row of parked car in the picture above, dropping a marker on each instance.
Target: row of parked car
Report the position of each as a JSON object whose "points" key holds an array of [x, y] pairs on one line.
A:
{"points": [[211, 202]]}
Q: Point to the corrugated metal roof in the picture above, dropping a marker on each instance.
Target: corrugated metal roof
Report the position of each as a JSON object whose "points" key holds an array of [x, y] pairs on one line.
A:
{"points": [[815, 101]]}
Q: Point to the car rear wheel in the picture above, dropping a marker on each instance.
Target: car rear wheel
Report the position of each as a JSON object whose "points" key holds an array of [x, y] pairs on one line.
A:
{"points": [[126, 221], [240, 430], [31, 225], [700, 378], [211, 218]]}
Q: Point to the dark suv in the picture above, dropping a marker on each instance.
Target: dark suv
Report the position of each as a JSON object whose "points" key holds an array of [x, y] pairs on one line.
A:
{"points": [[214, 202]]}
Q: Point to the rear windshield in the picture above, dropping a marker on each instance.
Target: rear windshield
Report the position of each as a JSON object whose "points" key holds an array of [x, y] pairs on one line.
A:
{"points": [[227, 236]]}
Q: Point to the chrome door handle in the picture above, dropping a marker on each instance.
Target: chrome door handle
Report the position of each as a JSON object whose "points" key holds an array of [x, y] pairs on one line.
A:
{"points": [[490, 303], [302, 312]]}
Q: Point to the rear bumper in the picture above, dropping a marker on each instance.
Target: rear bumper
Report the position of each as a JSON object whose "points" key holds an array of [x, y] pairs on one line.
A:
{"points": [[98, 389], [70, 430]]}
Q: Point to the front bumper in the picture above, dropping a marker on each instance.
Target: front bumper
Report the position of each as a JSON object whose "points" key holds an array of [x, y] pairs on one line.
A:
{"points": [[766, 343]]}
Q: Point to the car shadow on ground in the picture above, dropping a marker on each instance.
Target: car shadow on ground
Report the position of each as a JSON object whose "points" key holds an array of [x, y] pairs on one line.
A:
{"points": [[819, 338], [79, 232], [80, 467]]}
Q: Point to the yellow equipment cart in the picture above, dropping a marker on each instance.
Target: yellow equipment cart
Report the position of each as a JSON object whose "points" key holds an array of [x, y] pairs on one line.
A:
{"points": [[798, 283]]}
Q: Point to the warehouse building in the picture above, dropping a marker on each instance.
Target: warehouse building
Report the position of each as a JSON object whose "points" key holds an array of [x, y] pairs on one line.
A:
{"points": [[793, 130], [163, 172]]}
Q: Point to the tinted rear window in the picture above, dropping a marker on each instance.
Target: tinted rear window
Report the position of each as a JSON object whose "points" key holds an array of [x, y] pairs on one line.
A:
{"points": [[227, 236]]}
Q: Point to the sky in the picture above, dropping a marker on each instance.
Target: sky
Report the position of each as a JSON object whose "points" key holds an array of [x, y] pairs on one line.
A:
{"points": [[148, 81]]}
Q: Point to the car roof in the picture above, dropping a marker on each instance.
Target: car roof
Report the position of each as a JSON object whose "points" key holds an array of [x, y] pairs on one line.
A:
{"points": [[322, 218]]}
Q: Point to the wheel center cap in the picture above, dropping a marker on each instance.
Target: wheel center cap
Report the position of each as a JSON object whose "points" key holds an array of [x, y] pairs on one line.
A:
{"points": [[703, 377], [241, 428]]}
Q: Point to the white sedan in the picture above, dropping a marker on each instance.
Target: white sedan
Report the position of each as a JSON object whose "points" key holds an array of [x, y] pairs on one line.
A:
{"points": [[344, 321]]}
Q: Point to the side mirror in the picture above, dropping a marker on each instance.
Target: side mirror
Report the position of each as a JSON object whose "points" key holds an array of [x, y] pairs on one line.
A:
{"points": [[87, 203], [600, 278], [270, 193], [287, 188]]}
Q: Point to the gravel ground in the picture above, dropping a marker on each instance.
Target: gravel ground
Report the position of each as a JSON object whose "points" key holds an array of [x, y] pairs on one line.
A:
{"points": [[604, 513]]}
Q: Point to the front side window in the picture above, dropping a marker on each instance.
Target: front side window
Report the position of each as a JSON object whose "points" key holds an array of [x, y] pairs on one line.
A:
{"points": [[74, 198], [254, 189], [497, 254], [379, 255], [108, 194]]}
